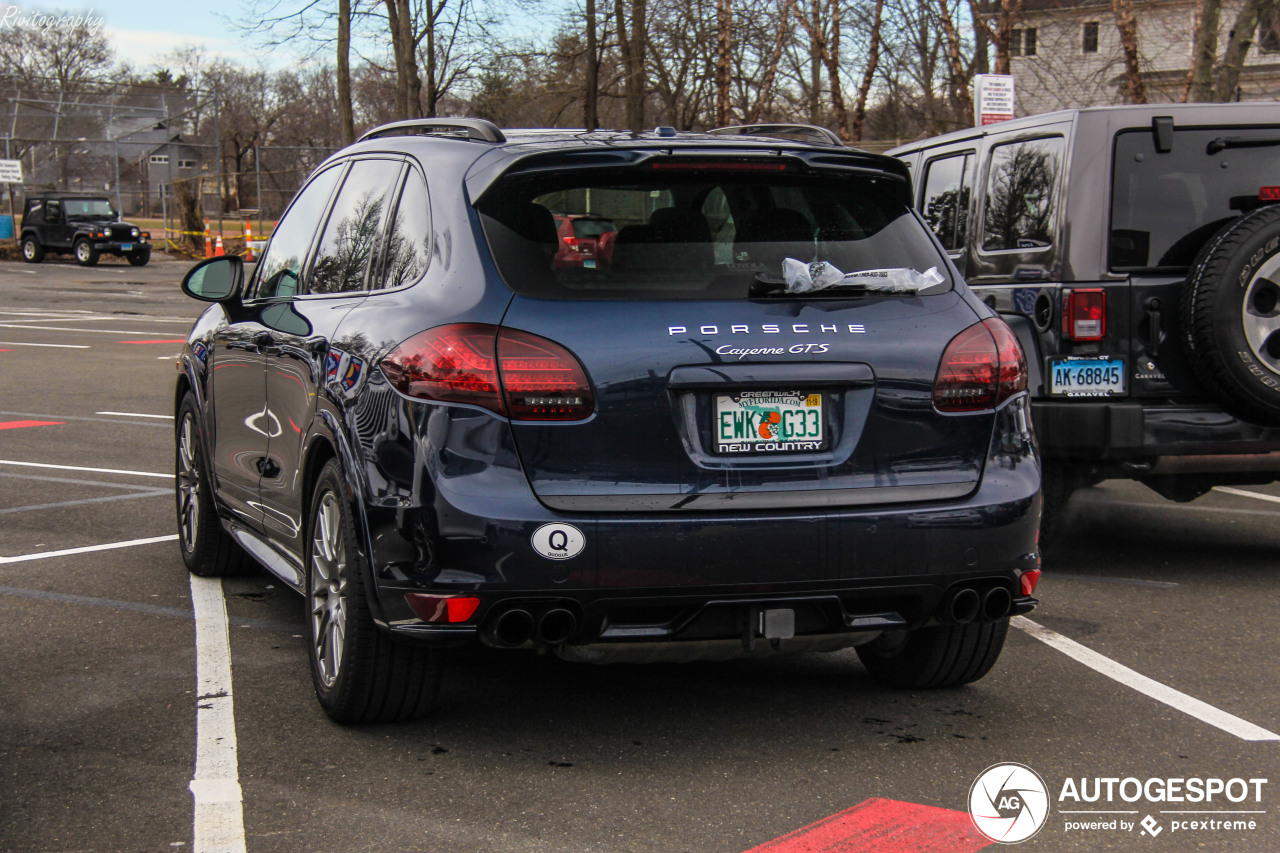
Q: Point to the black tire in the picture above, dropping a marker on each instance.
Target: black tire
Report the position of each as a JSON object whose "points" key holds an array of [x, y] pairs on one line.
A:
{"points": [[86, 255], [361, 674], [207, 549], [939, 656], [139, 257], [1231, 316], [32, 251]]}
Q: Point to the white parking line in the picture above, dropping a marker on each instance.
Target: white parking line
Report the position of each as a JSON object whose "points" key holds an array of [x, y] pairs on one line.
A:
{"points": [[1246, 494], [135, 414], [78, 331], [44, 555], [1175, 699], [52, 346], [219, 801], [78, 468]]}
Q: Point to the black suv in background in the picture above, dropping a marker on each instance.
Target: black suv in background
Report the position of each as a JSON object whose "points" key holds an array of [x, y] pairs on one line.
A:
{"points": [[84, 225], [1135, 251], [418, 416]]}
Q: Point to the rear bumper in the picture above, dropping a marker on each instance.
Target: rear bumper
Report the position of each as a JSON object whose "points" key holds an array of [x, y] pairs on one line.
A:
{"points": [[686, 575], [1133, 438]]}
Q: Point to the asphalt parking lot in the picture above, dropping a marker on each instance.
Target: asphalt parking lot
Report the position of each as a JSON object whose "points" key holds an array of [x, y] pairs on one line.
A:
{"points": [[1152, 657]]}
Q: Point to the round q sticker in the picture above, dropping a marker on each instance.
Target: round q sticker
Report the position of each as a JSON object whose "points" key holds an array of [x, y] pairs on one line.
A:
{"points": [[558, 541]]}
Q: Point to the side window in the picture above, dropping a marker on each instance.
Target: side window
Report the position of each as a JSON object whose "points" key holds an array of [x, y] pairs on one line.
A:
{"points": [[409, 242], [53, 212], [279, 269], [948, 185], [1019, 211], [355, 227]]}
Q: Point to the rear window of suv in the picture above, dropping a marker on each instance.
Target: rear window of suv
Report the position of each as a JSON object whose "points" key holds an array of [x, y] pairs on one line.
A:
{"points": [[696, 234], [1166, 205]]}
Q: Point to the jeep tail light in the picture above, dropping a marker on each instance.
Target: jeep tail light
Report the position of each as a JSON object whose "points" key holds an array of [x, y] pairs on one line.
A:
{"points": [[981, 368], [1085, 314], [1268, 193], [507, 371]]}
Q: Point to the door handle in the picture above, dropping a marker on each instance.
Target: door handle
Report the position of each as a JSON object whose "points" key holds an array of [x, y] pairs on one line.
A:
{"points": [[263, 339], [317, 345]]}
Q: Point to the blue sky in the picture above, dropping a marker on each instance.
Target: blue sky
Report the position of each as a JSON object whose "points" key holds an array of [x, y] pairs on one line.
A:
{"points": [[142, 32]]}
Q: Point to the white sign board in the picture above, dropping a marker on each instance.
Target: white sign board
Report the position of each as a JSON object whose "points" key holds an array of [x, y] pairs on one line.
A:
{"points": [[992, 98], [10, 171]]}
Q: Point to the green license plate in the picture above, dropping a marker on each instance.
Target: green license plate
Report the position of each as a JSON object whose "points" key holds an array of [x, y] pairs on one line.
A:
{"points": [[768, 422]]}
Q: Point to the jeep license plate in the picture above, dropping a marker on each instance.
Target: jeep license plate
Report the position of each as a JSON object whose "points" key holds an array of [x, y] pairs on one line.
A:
{"points": [[1086, 377], [768, 422], [126, 247]]}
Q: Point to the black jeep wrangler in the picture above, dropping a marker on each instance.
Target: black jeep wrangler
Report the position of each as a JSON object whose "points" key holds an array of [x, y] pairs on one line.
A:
{"points": [[85, 225], [1136, 253]]}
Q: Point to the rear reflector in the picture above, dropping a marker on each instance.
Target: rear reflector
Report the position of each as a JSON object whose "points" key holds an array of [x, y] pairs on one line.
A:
{"points": [[981, 368], [1029, 580], [442, 608], [507, 371], [1269, 194], [1085, 314]]}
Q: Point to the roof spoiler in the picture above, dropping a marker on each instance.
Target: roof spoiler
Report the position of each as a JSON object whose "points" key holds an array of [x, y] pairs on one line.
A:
{"points": [[478, 129], [806, 132]]}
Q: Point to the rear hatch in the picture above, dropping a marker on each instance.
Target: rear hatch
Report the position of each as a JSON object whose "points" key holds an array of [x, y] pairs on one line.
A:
{"points": [[1168, 198], [712, 385]]}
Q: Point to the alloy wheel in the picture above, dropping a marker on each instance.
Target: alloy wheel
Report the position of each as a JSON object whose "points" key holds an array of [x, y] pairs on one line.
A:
{"points": [[188, 484], [328, 582]]}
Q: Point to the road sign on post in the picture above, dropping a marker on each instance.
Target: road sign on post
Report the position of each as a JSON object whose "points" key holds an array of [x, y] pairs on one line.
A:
{"points": [[992, 98], [10, 171]]}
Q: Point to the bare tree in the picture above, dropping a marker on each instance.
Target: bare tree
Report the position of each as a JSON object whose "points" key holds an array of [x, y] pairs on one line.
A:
{"points": [[1228, 78], [1127, 24], [869, 71]]}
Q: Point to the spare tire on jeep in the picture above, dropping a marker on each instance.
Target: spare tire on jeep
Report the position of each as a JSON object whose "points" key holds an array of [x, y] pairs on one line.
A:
{"points": [[1231, 316]]}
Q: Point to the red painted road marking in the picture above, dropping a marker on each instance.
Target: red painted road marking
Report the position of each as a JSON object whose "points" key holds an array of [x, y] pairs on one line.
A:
{"points": [[170, 341], [21, 424], [883, 826]]}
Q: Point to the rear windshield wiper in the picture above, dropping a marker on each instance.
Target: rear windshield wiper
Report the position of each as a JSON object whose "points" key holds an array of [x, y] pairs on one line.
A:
{"points": [[1224, 142], [767, 286]]}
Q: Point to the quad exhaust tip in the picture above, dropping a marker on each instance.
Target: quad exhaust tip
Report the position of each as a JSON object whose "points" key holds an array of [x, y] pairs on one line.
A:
{"points": [[962, 606], [556, 626], [511, 628], [517, 626]]}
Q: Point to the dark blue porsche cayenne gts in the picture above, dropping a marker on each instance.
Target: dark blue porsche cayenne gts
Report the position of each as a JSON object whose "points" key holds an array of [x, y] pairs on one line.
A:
{"points": [[620, 396]]}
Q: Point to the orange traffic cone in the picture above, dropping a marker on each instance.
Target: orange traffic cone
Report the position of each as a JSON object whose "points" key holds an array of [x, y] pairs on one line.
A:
{"points": [[248, 241], [217, 246]]}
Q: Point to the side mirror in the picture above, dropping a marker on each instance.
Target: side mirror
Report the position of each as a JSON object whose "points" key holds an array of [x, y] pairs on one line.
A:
{"points": [[215, 279]]}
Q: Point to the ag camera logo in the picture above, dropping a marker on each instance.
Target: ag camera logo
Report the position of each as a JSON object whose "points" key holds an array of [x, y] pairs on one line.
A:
{"points": [[1009, 803]]}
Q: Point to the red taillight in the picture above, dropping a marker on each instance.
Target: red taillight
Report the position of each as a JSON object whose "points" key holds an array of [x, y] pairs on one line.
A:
{"points": [[1268, 193], [454, 364], [1085, 314], [571, 242], [442, 608], [506, 371], [1029, 579], [981, 368]]}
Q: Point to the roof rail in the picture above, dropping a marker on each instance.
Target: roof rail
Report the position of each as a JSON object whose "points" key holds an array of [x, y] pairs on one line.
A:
{"points": [[478, 129], [809, 132]]}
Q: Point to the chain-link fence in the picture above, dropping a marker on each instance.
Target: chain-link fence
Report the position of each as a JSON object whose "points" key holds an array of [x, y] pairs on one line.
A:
{"points": [[153, 150]]}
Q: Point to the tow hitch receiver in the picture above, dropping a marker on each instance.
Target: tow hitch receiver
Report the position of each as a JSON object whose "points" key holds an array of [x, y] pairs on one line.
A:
{"points": [[775, 624]]}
